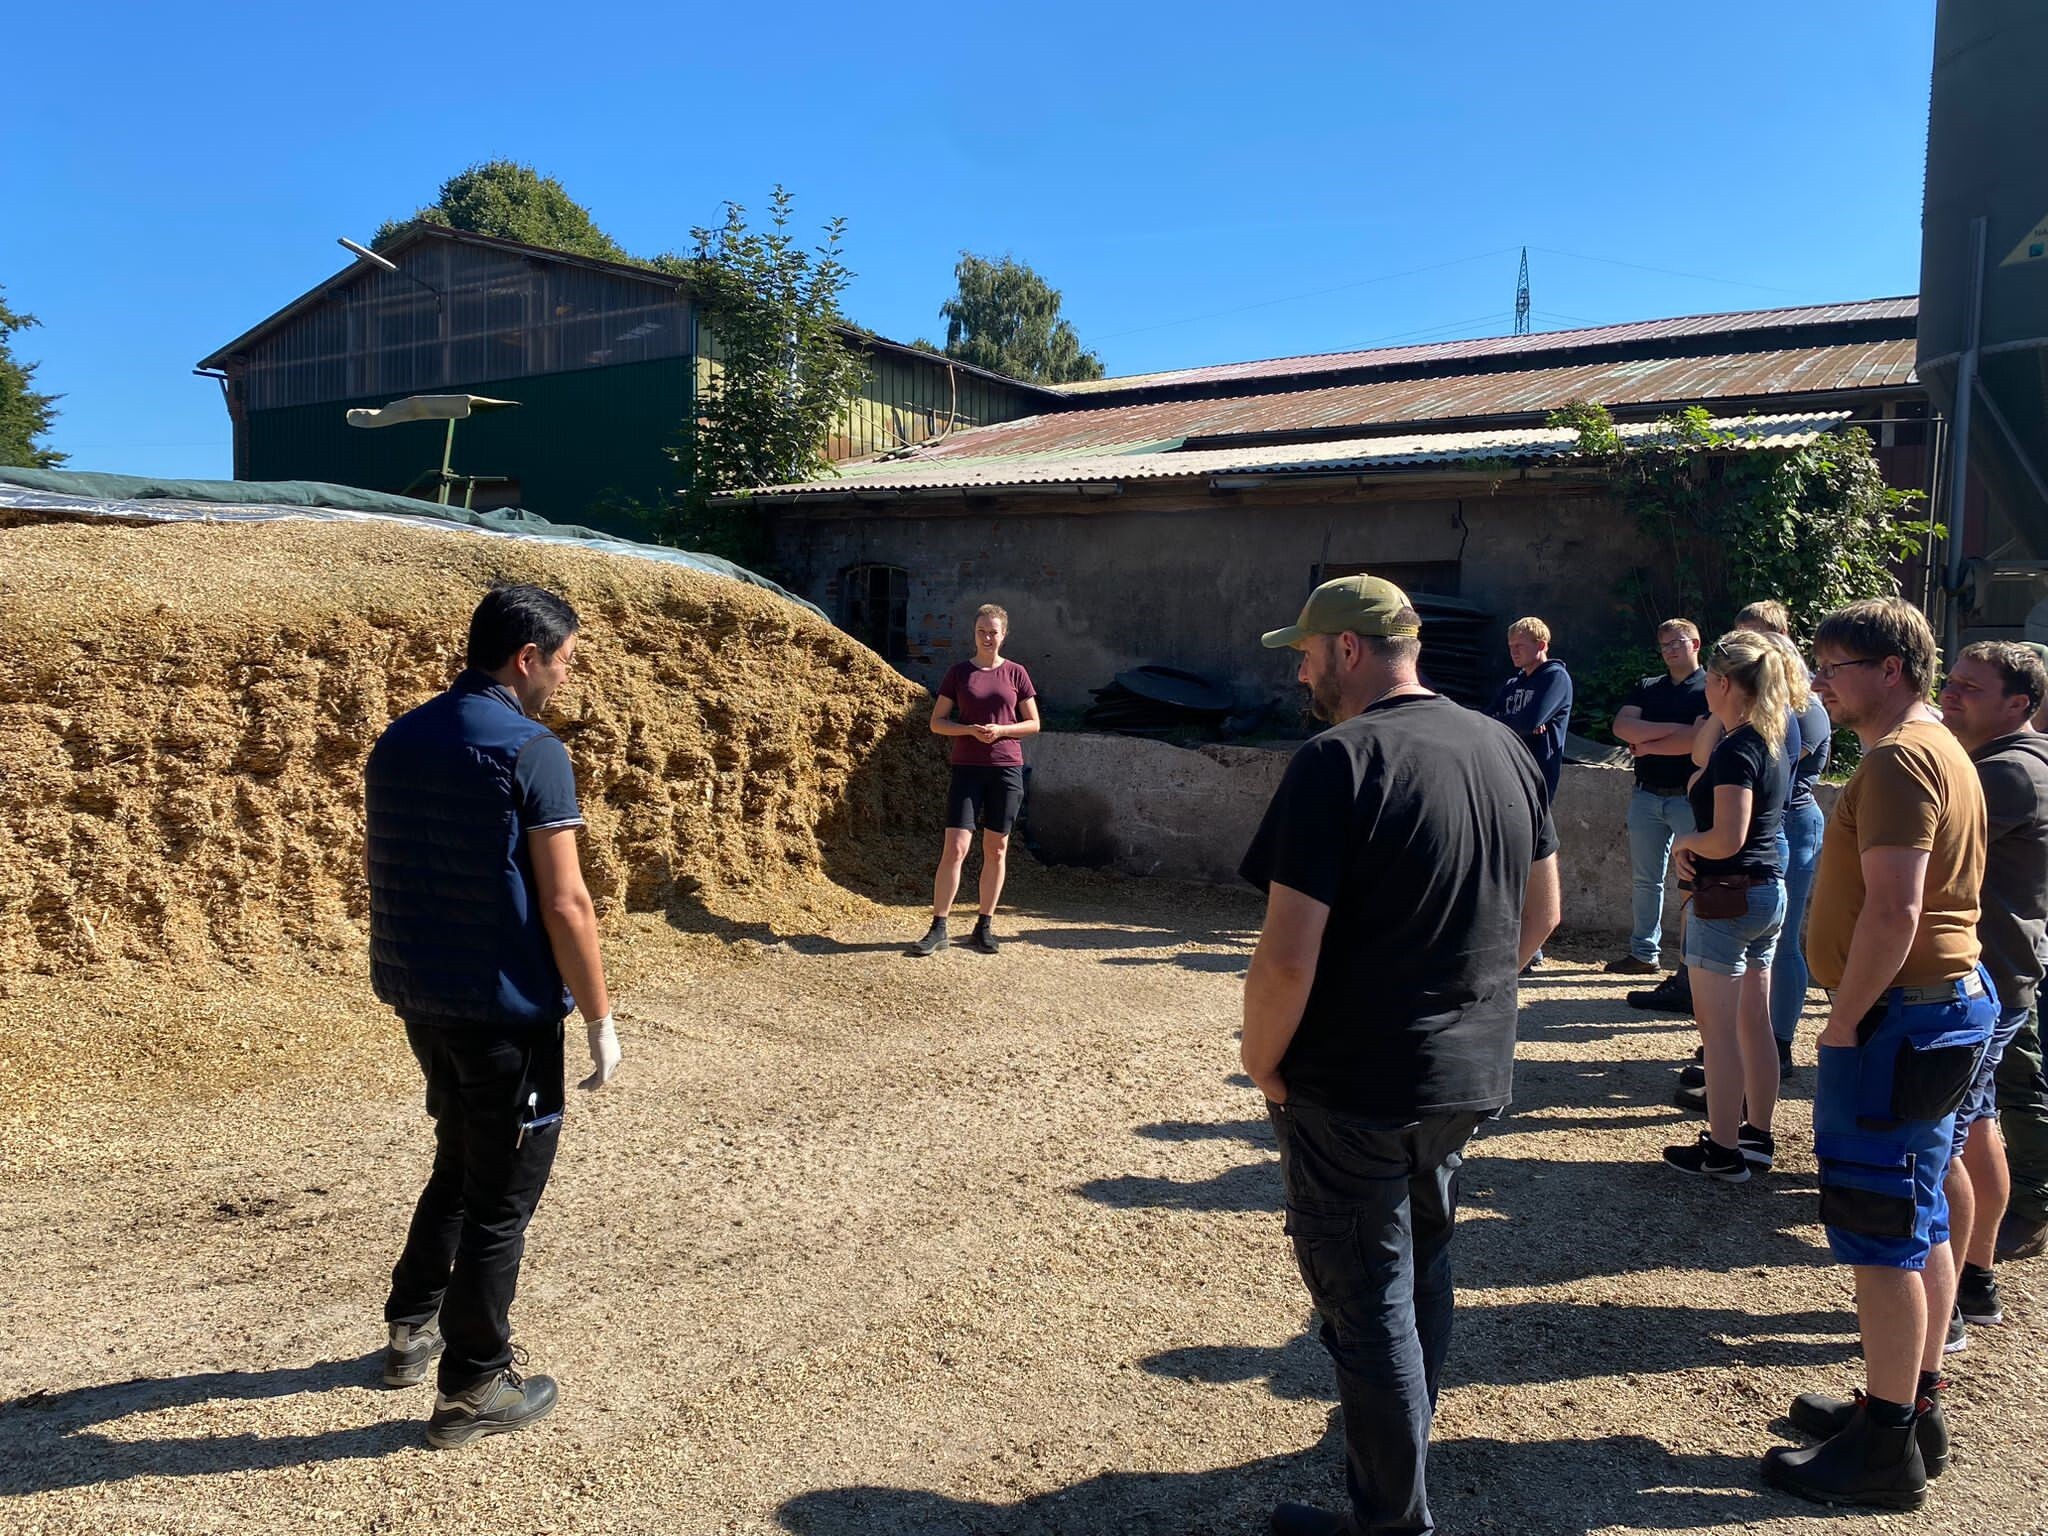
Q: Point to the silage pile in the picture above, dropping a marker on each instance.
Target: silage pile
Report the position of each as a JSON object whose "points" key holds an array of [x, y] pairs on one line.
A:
{"points": [[185, 710]]}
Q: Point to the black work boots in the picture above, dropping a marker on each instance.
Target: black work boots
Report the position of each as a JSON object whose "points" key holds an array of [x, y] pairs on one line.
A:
{"points": [[1862, 1461], [412, 1349], [494, 1406]]}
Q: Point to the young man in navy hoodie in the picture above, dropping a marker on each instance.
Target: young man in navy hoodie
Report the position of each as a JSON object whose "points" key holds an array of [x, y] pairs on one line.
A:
{"points": [[1536, 704]]}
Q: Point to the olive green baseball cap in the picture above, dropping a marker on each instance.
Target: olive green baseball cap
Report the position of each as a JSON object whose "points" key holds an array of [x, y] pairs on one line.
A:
{"points": [[1361, 604]]}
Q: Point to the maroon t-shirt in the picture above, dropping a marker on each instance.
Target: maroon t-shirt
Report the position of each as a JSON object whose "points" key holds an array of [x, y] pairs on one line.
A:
{"points": [[987, 696]]}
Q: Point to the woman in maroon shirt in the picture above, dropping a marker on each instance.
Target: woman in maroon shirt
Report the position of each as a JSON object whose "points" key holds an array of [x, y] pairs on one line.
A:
{"points": [[985, 706]]}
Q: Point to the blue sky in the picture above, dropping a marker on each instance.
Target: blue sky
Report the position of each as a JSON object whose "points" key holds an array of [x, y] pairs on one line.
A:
{"points": [[1189, 174]]}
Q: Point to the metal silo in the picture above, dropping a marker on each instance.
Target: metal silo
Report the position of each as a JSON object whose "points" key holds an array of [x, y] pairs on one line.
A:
{"points": [[1983, 330]]}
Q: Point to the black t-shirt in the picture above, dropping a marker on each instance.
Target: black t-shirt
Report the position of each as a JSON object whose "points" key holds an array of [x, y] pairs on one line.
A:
{"points": [[1664, 702], [1415, 823], [1743, 759]]}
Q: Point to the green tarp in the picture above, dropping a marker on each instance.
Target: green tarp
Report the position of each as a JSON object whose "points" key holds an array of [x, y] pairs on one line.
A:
{"points": [[139, 496]]}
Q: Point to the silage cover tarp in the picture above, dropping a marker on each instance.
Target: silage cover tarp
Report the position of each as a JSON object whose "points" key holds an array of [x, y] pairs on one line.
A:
{"points": [[145, 499]]}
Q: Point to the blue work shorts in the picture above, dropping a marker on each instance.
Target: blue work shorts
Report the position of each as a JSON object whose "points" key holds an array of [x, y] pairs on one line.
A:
{"points": [[1884, 1117]]}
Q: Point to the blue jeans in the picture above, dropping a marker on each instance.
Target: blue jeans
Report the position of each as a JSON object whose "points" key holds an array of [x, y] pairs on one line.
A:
{"points": [[1370, 1207], [1801, 842], [1653, 821], [1981, 1103]]}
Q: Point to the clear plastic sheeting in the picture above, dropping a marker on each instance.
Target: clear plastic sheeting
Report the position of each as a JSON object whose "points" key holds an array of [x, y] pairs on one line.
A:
{"points": [[48, 493]]}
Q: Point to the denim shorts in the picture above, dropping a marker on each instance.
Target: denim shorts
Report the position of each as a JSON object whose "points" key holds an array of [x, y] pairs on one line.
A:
{"points": [[1728, 946], [1981, 1103]]}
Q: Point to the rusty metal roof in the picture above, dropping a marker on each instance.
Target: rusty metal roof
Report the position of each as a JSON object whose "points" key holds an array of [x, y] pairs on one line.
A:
{"points": [[960, 474], [1511, 348], [1648, 383]]}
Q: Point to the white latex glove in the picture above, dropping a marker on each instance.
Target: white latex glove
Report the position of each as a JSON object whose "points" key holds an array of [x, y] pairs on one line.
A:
{"points": [[604, 1054]]}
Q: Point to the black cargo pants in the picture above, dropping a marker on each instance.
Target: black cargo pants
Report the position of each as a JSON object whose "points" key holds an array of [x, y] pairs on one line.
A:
{"points": [[468, 1233], [1370, 1207]]}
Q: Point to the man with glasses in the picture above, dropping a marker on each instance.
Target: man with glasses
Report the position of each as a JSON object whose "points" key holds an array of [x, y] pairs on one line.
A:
{"points": [[1892, 936], [1657, 723], [1988, 700], [2023, 1113]]}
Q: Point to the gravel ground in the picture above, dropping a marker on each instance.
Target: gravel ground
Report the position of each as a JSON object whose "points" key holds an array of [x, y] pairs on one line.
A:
{"points": [[859, 1244]]}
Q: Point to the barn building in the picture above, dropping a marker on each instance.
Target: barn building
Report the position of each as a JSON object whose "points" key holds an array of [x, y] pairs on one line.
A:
{"points": [[1171, 517], [604, 358]]}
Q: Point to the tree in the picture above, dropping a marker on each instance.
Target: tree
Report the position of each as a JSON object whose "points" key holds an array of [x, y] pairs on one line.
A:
{"points": [[513, 202], [1006, 318], [1731, 520], [25, 412], [782, 373]]}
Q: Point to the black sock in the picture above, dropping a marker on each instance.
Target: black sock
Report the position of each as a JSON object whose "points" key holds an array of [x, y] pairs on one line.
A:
{"points": [[1929, 1380], [983, 919], [1888, 1415], [1973, 1269], [938, 922]]}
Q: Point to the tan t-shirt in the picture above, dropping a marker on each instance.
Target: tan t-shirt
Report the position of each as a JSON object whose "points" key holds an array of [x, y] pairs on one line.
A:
{"points": [[1915, 789]]}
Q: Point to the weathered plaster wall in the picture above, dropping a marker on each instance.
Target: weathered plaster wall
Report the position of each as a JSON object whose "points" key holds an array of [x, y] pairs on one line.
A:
{"points": [[1151, 809], [1190, 578]]}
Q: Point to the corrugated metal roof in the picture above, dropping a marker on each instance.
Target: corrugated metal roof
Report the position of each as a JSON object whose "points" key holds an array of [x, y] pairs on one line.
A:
{"points": [[1533, 345], [1356, 455], [1648, 382], [356, 271]]}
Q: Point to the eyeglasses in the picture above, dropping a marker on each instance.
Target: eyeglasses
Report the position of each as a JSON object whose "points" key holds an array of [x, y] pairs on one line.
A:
{"points": [[1677, 644], [1822, 674]]}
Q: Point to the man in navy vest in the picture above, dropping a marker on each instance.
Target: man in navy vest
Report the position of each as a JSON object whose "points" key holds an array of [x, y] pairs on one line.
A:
{"points": [[478, 916]]}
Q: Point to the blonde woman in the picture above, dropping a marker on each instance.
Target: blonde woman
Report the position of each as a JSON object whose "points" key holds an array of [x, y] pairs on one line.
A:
{"points": [[1734, 866]]}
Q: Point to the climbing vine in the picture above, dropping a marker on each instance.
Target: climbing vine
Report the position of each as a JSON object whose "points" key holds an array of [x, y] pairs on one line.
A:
{"points": [[1813, 526]]}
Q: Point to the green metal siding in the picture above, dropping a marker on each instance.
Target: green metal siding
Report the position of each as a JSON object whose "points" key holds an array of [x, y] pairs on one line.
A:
{"points": [[900, 400], [577, 440], [904, 401]]}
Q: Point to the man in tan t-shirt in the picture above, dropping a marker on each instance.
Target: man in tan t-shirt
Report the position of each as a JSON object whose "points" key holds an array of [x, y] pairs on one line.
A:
{"points": [[1892, 936]]}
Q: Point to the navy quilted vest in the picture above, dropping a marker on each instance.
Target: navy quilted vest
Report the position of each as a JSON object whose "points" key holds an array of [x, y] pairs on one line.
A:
{"points": [[455, 926]]}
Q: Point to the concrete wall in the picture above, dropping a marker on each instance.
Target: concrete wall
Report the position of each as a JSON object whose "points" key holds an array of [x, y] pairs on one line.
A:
{"points": [[1191, 578], [1151, 809]]}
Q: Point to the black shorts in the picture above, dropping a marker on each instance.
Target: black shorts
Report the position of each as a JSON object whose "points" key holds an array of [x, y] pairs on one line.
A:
{"points": [[989, 798]]}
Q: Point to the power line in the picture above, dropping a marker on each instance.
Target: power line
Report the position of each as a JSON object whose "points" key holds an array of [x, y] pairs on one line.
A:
{"points": [[1291, 298], [1490, 317], [1698, 277]]}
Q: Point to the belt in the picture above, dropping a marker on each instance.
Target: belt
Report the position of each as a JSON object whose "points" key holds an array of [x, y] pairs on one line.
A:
{"points": [[1972, 985]]}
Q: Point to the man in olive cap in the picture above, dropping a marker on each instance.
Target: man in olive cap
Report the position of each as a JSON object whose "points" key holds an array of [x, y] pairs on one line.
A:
{"points": [[1410, 872]]}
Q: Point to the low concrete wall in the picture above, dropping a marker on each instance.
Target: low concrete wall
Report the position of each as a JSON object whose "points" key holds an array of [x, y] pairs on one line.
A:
{"points": [[1151, 809], [1147, 808]]}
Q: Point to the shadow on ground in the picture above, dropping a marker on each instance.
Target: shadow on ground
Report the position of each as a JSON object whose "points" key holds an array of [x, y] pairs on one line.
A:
{"points": [[1503, 1344], [1614, 1096], [47, 1441], [1623, 1216], [1541, 1488]]}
